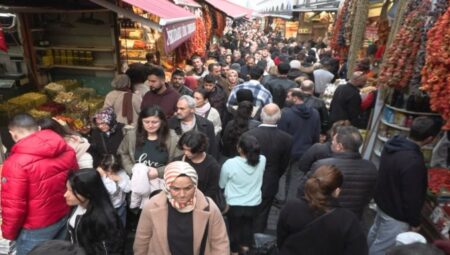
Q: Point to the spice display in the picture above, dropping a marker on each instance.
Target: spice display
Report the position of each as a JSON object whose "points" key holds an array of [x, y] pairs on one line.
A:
{"points": [[436, 72], [398, 68], [438, 178]]}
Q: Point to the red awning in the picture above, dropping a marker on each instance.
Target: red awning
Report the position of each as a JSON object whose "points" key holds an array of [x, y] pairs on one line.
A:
{"points": [[190, 3], [176, 23], [230, 9], [167, 11]]}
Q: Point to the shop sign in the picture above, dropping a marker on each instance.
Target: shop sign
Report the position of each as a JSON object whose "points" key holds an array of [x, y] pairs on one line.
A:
{"points": [[291, 29], [305, 30], [176, 34]]}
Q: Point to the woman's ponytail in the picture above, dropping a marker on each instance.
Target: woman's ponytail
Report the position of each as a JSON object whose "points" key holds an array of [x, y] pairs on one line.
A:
{"points": [[250, 148], [321, 185]]}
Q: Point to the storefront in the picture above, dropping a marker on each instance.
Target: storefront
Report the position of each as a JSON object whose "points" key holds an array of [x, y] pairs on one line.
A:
{"points": [[71, 53], [412, 83]]}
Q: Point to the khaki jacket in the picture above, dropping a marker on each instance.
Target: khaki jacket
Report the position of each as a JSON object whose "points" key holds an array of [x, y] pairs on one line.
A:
{"points": [[127, 149], [151, 233]]}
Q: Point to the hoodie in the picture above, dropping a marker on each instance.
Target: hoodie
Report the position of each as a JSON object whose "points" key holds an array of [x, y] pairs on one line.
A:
{"points": [[402, 180], [242, 182], [303, 123]]}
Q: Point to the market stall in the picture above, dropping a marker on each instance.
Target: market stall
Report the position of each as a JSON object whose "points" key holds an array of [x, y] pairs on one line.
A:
{"points": [[156, 27], [414, 82]]}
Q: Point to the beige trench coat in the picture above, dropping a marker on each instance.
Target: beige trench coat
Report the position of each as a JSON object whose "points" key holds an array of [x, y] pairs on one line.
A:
{"points": [[151, 234]]}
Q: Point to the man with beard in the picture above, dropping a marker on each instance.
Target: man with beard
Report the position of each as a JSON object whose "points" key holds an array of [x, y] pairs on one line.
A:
{"points": [[159, 94], [217, 96], [178, 84], [346, 103], [185, 120], [303, 123]]}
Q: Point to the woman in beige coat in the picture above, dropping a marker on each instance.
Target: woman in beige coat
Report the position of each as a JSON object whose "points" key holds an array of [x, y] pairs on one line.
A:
{"points": [[181, 218], [125, 103]]}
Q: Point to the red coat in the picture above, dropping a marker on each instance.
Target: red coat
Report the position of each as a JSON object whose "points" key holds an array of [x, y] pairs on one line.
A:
{"points": [[34, 180]]}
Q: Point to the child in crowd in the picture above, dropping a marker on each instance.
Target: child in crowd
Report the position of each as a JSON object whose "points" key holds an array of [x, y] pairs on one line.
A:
{"points": [[116, 182]]}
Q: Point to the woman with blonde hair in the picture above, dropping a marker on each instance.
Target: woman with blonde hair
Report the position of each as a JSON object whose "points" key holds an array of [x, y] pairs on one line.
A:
{"points": [[181, 220], [315, 224]]}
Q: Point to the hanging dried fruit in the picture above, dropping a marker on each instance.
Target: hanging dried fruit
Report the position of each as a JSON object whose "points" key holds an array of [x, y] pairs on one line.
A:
{"points": [[436, 72], [401, 56]]}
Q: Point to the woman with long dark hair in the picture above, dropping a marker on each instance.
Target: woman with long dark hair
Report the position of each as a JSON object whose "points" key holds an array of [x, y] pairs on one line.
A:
{"points": [[145, 151], [242, 177], [151, 143], [94, 224], [315, 224], [241, 123]]}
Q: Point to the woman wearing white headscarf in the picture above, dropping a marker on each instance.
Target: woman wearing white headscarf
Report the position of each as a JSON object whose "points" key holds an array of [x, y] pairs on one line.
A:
{"points": [[181, 220]]}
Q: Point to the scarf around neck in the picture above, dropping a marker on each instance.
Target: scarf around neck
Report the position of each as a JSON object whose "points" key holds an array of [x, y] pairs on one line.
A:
{"points": [[202, 110]]}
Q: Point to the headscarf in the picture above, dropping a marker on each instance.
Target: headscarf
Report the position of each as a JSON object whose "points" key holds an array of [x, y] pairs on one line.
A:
{"points": [[106, 115], [171, 172], [122, 83]]}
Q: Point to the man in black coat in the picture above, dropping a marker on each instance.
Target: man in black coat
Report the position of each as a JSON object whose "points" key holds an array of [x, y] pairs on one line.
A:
{"points": [[346, 102], [185, 120], [401, 187], [310, 100], [280, 85], [360, 175], [275, 145]]}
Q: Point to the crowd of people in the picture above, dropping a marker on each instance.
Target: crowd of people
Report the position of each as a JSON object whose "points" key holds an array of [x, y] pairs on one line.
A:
{"points": [[193, 165]]}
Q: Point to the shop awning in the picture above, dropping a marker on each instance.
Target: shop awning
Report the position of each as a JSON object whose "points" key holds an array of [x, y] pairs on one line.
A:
{"points": [[230, 9], [176, 23], [190, 3]]}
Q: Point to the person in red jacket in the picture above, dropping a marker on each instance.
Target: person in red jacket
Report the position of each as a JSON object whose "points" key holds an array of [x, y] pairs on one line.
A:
{"points": [[33, 184]]}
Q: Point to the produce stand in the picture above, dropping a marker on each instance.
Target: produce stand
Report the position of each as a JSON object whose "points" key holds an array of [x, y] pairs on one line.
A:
{"points": [[413, 82]]}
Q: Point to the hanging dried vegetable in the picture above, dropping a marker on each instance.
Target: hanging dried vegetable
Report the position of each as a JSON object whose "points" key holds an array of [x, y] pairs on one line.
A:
{"points": [[220, 18], [338, 40], [401, 56], [434, 13], [349, 23], [208, 22], [436, 72]]}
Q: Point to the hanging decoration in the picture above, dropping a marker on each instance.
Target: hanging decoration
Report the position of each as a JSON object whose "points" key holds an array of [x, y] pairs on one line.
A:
{"points": [[400, 59], [436, 72], [439, 7]]}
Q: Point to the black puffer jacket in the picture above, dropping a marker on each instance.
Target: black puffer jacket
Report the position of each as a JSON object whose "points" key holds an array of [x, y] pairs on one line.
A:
{"points": [[360, 178], [315, 153]]}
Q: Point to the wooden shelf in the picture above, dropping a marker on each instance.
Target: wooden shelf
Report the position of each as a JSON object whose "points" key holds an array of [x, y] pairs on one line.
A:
{"points": [[93, 68], [132, 59], [411, 112], [394, 126], [61, 47]]}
